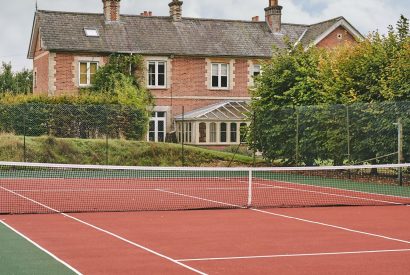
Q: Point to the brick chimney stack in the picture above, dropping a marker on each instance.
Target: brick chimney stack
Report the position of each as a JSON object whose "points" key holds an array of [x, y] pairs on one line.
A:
{"points": [[175, 10], [273, 15], [112, 10]]}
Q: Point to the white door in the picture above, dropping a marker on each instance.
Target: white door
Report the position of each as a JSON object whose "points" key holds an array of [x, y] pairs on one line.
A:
{"points": [[157, 127]]}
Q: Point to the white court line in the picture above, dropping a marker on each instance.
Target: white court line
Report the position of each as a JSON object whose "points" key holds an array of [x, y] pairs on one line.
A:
{"points": [[295, 255], [273, 181], [294, 218], [107, 232], [334, 188], [137, 189], [202, 199], [331, 194], [40, 247]]}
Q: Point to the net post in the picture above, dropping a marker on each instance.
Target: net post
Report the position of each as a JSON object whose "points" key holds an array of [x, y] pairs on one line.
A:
{"points": [[183, 137], [250, 188]]}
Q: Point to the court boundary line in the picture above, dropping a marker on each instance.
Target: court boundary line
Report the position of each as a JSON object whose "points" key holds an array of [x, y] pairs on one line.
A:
{"points": [[41, 248], [299, 219], [335, 188], [330, 194], [296, 255], [109, 233]]}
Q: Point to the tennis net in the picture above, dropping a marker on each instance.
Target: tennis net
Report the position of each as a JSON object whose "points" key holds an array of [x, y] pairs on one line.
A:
{"points": [[28, 188]]}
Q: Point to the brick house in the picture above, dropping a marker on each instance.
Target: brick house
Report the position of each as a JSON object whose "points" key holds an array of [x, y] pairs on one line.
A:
{"points": [[205, 66]]}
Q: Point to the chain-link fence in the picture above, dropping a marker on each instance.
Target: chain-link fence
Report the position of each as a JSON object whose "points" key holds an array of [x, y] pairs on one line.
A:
{"points": [[101, 122], [335, 134]]}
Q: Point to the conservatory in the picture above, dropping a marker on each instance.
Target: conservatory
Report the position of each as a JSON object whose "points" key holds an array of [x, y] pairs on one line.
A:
{"points": [[221, 124]]}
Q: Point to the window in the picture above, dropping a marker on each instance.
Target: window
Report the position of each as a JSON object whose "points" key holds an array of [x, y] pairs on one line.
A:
{"points": [[156, 74], [90, 32], [185, 131], [256, 70], [212, 130], [234, 134], [87, 73], [188, 132], [157, 127], [223, 132], [202, 132], [220, 75]]}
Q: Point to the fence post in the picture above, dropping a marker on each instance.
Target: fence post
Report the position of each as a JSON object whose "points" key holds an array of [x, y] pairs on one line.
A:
{"points": [[250, 188], [106, 136], [400, 148], [254, 139], [183, 136], [24, 134], [297, 153], [348, 133]]}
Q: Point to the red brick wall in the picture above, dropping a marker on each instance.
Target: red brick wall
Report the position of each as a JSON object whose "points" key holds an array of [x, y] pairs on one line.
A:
{"points": [[40, 65], [189, 79], [332, 40], [64, 74]]}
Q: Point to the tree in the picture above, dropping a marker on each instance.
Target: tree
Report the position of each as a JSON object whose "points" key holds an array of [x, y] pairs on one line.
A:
{"points": [[119, 78], [17, 83], [374, 70]]}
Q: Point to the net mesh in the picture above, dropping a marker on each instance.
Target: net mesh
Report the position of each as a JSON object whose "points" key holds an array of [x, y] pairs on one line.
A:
{"points": [[45, 188]]}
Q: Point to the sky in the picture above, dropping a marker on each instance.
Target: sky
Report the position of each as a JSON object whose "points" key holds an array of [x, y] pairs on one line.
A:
{"points": [[16, 17]]}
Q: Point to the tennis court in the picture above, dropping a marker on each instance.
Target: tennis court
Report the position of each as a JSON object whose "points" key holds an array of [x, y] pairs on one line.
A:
{"points": [[139, 220]]}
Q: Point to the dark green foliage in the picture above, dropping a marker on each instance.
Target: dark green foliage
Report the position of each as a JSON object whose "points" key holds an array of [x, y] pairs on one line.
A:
{"points": [[17, 83], [82, 117], [357, 76]]}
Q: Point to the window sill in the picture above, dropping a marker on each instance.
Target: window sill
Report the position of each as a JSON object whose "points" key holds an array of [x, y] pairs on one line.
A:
{"points": [[219, 89], [157, 88]]}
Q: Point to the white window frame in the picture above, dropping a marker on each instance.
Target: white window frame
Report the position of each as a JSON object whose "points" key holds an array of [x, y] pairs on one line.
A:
{"points": [[156, 119], [91, 32], [156, 85], [254, 70], [88, 72], [228, 76]]}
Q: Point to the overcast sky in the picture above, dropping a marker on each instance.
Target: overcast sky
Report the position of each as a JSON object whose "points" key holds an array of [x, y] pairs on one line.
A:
{"points": [[367, 15]]}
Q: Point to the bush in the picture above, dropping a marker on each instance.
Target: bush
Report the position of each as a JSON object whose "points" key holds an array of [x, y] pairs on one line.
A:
{"points": [[85, 116]]}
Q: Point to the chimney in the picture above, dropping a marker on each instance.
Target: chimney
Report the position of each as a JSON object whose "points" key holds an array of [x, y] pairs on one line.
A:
{"points": [[175, 10], [273, 16], [146, 13], [255, 19], [112, 10]]}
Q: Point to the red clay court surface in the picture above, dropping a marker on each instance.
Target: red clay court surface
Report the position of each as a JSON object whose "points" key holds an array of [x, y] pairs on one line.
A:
{"points": [[330, 240], [348, 240]]}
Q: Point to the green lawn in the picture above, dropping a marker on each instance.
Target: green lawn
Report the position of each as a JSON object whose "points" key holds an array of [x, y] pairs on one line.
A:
{"points": [[19, 256]]}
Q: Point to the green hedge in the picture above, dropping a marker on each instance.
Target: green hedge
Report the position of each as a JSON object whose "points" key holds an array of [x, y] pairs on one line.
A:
{"points": [[71, 117]]}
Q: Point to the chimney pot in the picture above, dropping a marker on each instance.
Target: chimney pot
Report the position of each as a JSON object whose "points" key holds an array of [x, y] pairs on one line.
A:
{"points": [[273, 16], [255, 19], [175, 10], [111, 10]]}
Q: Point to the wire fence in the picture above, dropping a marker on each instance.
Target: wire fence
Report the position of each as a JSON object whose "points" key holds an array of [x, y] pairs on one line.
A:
{"points": [[376, 133], [335, 134], [103, 122]]}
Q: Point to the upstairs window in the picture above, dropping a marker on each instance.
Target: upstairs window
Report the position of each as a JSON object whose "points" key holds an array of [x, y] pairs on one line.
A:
{"points": [[220, 76], [156, 74], [256, 70], [87, 73], [89, 32]]}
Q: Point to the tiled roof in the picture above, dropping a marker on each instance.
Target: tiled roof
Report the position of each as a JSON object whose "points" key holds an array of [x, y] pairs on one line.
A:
{"points": [[64, 31], [226, 110]]}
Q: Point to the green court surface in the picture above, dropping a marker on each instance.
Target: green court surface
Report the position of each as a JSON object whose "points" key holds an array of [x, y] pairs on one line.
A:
{"points": [[19, 256]]}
